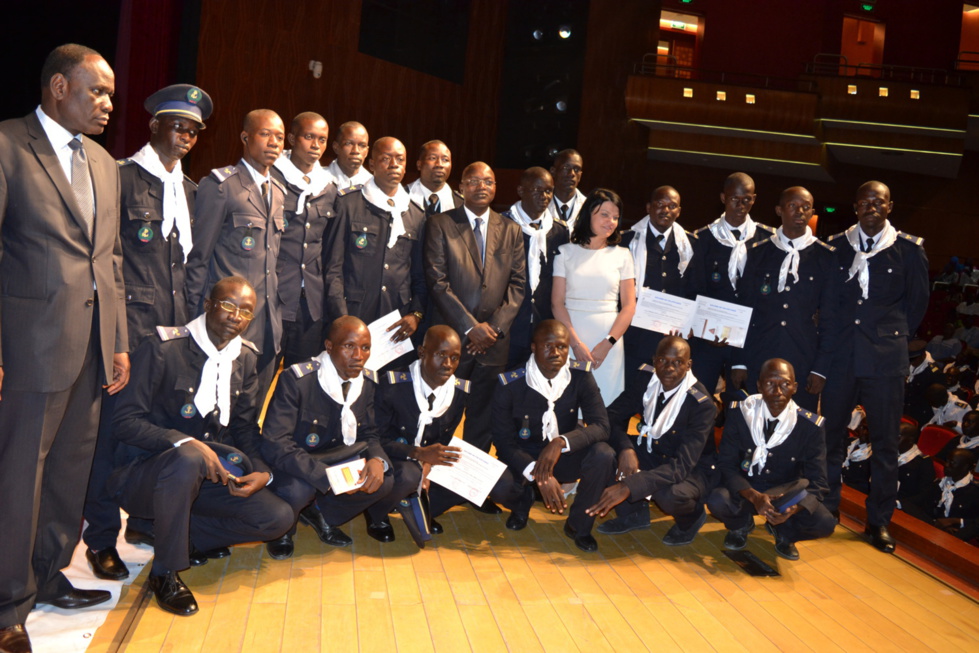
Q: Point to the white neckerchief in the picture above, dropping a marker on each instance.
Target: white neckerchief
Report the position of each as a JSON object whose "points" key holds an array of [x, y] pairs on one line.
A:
{"points": [[550, 389], [859, 267], [318, 179], [942, 411], [654, 430], [344, 182], [915, 371], [638, 248], [967, 442], [214, 389], [373, 194], [175, 208], [856, 416], [857, 452], [443, 399], [790, 264], [419, 194], [908, 456], [538, 241], [331, 382], [755, 412], [722, 232], [948, 487]]}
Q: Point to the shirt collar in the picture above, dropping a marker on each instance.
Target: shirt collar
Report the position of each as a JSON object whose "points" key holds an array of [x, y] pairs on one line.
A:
{"points": [[472, 216], [57, 135], [256, 175]]}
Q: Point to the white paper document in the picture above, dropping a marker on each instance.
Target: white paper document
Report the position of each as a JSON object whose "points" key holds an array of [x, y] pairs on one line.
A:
{"points": [[472, 476], [705, 317], [346, 476], [383, 347]]}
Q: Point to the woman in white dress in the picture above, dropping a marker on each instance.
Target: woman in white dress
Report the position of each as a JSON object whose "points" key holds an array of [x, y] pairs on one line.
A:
{"points": [[594, 292]]}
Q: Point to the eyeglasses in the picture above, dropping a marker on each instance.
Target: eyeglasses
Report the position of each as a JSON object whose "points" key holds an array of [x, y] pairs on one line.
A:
{"points": [[235, 310], [476, 183]]}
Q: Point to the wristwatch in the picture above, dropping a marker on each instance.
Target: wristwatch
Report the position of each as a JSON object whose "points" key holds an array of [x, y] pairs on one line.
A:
{"points": [[611, 339], [418, 314]]}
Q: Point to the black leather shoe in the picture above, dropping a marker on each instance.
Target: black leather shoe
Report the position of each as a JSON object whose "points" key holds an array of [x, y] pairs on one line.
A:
{"points": [[786, 550], [677, 536], [738, 539], [331, 535], [14, 639], [106, 564], [487, 507], [138, 537], [517, 521], [281, 548], [76, 598], [632, 522], [197, 558], [881, 538], [381, 531], [437, 528], [584, 542], [171, 593]]}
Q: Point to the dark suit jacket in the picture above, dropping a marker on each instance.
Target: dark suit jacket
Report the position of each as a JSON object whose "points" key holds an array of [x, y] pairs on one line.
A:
{"points": [[366, 279], [517, 407], [302, 419], [802, 455], [798, 324], [50, 264], [153, 262], [463, 290], [396, 413], [874, 332], [688, 444], [300, 265], [230, 208], [149, 415]]}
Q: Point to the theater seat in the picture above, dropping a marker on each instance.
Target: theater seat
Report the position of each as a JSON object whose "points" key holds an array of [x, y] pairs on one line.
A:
{"points": [[905, 419], [933, 438]]}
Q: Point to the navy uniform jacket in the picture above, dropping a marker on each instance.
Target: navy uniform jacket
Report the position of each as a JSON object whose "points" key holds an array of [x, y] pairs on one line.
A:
{"points": [[156, 409], [518, 433], [662, 273], [300, 266], [798, 324], [802, 455], [708, 268], [366, 279], [915, 476], [965, 506], [396, 413], [235, 234], [302, 419], [874, 332], [688, 444], [915, 404], [536, 306]]}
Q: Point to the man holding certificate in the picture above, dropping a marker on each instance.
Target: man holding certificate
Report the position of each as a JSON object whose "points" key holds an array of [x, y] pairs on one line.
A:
{"points": [[673, 458], [537, 433], [773, 461], [791, 281], [322, 412], [418, 411]]}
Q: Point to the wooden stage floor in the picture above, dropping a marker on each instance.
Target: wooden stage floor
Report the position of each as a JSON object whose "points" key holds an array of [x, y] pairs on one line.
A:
{"points": [[480, 587]]}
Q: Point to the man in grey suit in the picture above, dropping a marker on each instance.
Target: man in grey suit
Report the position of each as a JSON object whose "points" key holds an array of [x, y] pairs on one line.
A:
{"points": [[476, 270], [63, 327]]}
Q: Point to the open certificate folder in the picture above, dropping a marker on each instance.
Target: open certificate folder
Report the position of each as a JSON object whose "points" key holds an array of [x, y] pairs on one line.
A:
{"points": [[707, 318], [472, 476], [345, 476]]}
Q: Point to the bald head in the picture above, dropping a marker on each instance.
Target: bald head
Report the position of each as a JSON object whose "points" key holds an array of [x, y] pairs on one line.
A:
{"points": [[257, 116], [343, 325], [438, 334], [736, 179], [549, 328], [263, 136], [673, 343], [535, 191]]}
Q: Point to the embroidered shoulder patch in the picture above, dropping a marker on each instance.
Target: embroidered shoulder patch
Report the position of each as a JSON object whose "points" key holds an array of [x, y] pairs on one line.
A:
{"points": [[251, 345], [913, 239], [646, 367], [398, 377], [221, 174], [815, 418], [512, 375], [370, 374], [698, 395], [463, 384], [353, 189], [578, 365], [302, 369], [172, 332]]}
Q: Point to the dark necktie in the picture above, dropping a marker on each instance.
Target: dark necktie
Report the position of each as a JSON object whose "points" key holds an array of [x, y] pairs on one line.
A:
{"points": [[658, 243], [565, 210], [660, 404], [434, 205], [869, 245], [265, 194], [81, 183], [431, 401], [345, 388], [535, 225], [478, 233], [770, 426], [736, 233]]}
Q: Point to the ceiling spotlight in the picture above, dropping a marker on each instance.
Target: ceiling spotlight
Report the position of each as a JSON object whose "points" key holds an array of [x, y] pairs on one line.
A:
{"points": [[552, 151], [538, 35], [561, 105], [564, 31]]}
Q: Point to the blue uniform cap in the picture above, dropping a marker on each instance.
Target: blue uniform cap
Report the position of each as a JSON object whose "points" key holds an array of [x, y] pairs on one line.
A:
{"points": [[184, 100]]}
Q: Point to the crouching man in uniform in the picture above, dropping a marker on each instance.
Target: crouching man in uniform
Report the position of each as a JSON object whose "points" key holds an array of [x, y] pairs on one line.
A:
{"points": [[537, 434], [770, 442], [673, 459], [319, 408], [418, 411], [187, 426]]}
